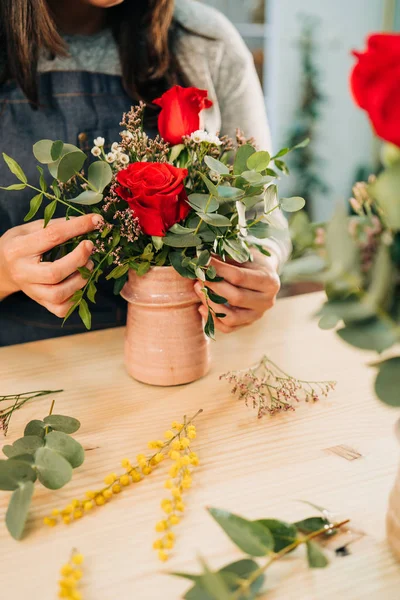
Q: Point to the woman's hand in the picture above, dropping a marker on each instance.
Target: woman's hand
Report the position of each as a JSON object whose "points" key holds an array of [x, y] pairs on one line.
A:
{"points": [[51, 284], [250, 290]]}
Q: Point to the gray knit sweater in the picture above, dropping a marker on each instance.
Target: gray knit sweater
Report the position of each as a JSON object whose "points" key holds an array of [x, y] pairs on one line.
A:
{"points": [[217, 60]]}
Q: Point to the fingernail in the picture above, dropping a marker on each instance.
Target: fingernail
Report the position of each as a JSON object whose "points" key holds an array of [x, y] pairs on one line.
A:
{"points": [[197, 289], [97, 220], [88, 246]]}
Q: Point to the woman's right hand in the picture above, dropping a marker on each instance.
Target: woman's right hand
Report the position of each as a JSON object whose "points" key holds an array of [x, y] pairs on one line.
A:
{"points": [[51, 284]]}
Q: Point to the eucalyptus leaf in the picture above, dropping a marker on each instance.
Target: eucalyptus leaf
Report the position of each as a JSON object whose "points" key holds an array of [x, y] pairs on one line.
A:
{"points": [[216, 165], [292, 204], [203, 203], [182, 241], [214, 584], [236, 250], [203, 258], [99, 175], [311, 525], [69, 165], [227, 193], [209, 327], [15, 168], [62, 423], [259, 230], [25, 445], [87, 198], [180, 230], [316, 558], [258, 161], [250, 536], [14, 473], [284, 534], [369, 335], [252, 176], [328, 321], [176, 261], [386, 190], [66, 446], [216, 297], [175, 152], [387, 383], [242, 156], [17, 511], [54, 471], [209, 184], [42, 151], [56, 150], [382, 279], [215, 219]]}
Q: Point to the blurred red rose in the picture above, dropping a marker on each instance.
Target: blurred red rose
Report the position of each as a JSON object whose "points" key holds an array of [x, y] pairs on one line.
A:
{"points": [[180, 112], [156, 194], [375, 83]]}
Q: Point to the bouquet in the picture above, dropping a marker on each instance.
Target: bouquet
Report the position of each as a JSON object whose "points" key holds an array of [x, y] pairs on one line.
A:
{"points": [[357, 256], [172, 200]]}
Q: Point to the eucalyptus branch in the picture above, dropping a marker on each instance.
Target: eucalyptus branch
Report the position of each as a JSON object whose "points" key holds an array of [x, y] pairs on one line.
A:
{"points": [[52, 197]]}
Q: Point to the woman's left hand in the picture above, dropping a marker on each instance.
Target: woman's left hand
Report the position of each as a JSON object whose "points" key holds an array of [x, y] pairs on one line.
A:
{"points": [[250, 290]]}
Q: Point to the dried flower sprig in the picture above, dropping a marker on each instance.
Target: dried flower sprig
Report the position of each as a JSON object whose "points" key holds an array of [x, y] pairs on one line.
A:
{"points": [[114, 484], [71, 574], [17, 401], [267, 388], [180, 480]]}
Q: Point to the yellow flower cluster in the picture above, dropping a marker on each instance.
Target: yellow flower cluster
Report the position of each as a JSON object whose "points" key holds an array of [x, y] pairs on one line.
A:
{"points": [[114, 484], [71, 574], [179, 481]]}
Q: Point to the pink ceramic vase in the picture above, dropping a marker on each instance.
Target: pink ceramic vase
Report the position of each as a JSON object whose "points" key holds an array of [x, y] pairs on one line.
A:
{"points": [[164, 341]]}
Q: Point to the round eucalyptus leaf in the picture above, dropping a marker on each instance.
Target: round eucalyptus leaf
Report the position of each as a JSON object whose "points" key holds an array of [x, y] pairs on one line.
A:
{"points": [[203, 203], [293, 204], [62, 423], [26, 458], [252, 176], [241, 158], [240, 570], [70, 164], [35, 427], [87, 198], [66, 446], [215, 219], [26, 445], [18, 508], [327, 322], [369, 335], [54, 471], [99, 175], [42, 151], [387, 383], [13, 473], [216, 165], [258, 161]]}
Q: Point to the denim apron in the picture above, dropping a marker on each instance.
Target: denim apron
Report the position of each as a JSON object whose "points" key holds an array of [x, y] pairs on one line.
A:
{"points": [[75, 107]]}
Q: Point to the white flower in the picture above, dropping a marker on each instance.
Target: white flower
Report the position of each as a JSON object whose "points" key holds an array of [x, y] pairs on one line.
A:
{"points": [[99, 141], [96, 151], [214, 139], [111, 157], [126, 134], [124, 159], [115, 147], [201, 136]]}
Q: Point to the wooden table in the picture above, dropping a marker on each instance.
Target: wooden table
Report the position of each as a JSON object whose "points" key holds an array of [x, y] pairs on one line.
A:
{"points": [[255, 468]]}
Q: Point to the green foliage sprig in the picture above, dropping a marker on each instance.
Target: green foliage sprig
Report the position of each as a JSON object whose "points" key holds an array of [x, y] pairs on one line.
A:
{"points": [[46, 452], [17, 401], [272, 538]]}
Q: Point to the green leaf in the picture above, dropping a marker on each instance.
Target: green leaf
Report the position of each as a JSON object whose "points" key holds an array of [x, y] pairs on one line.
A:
{"points": [[328, 321], [216, 298], [216, 165], [229, 194], [157, 241], [311, 525], [180, 230], [260, 230], [92, 291], [35, 204], [15, 168], [14, 473], [175, 152], [242, 156], [215, 219], [316, 558], [85, 272], [209, 184], [382, 279], [203, 258], [387, 383], [87, 198], [283, 533], [85, 314], [203, 202], [35, 427], [56, 150], [42, 151], [17, 512], [252, 177], [49, 212], [292, 204], [118, 271], [250, 536], [386, 191], [14, 186], [211, 272], [200, 274], [54, 471], [214, 584], [62, 423], [42, 180], [282, 166], [302, 144], [236, 250], [26, 458], [182, 241], [209, 327], [70, 164], [99, 175], [66, 446], [176, 259], [369, 335], [258, 161], [25, 445]]}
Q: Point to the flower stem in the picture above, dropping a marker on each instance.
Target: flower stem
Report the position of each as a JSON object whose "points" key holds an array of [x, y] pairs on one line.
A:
{"points": [[51, 197]]}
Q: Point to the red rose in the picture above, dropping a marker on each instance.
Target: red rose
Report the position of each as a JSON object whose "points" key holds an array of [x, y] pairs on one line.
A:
{"points": [[375, 83], [156, 193], [180, 112]]}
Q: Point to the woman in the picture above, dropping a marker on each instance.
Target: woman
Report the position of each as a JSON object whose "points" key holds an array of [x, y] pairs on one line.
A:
{"points": [[68, 70]]}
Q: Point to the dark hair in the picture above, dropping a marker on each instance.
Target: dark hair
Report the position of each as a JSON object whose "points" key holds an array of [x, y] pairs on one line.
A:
{"points": [[143, 29]]}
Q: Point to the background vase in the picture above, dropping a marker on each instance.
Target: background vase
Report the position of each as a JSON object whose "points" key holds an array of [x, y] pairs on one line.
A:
{"points": [[393, 515], [164, 341]]}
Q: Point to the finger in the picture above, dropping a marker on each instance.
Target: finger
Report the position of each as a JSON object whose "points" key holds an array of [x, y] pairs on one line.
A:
{"points": [[240, 276], [59, 310], [57, 271], [58, 232], [56, 295], [237, 296], [220, 325]]}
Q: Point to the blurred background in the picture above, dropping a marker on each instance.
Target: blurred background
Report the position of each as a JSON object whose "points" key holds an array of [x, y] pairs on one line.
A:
{"points": [[302, 51]]}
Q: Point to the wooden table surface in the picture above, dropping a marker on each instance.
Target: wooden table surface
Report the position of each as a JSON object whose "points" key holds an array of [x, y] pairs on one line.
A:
{"points": [[255, 468]]}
